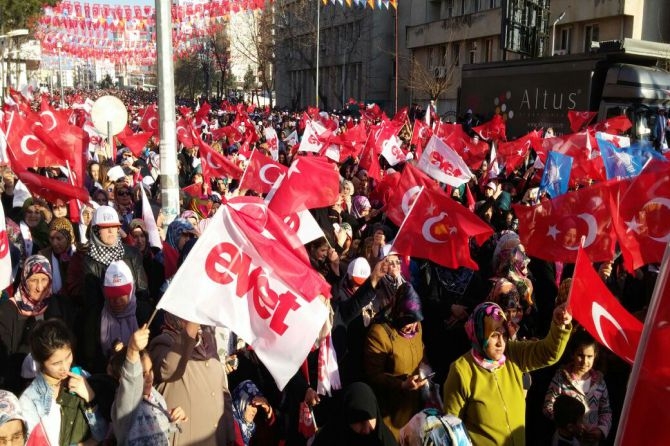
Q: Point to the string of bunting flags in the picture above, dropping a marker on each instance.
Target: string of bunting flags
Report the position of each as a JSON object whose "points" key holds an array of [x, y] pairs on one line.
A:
{"points": [[379, 4], [128, 33]]}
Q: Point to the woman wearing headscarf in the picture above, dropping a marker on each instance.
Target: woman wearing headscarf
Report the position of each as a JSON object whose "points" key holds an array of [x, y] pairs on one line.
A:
{"points": [[104, 248], [13, 426], [358, 422], [247, 399], [152, 257], [34, 225], [431, 427], [60, 250], [392, 356], [178, 233], [360, 211], [484, 387], [30, 303], [117, 320], [188, 374]]}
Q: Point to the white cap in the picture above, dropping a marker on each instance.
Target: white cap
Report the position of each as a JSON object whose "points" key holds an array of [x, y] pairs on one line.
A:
{"points": [[387, 251], [359, 270], [492, 185], [115, 173], [105, 217]]}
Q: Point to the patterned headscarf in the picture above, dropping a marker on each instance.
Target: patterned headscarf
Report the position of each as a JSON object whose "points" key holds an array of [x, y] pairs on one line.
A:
{"points": [[478, 331], [27, 306], [10, 409], [176, 229], [358, 204], [243, 395], [406, 308], [103, 253], [63, 226]]}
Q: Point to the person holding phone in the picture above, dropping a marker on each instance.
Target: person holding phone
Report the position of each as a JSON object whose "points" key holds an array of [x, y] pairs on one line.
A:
{"points": [[61, 401]]}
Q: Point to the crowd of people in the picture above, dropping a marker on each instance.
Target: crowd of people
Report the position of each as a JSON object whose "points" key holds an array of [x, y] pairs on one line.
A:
{"points": [[426, 354]]}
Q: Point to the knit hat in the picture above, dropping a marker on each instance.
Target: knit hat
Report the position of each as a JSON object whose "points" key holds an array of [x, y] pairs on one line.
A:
{"points": [[118, 280], [359, 270], [105, 217], [10, 409], [63, 226]]}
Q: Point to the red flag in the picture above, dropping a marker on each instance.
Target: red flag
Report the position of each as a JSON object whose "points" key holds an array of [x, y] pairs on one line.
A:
{"points": [[579, 119], [582, 147], [514, 152], [51, 189], [645, 416], [5, 258], [640, 212], [552, 229], [615, 125], [25, 148], [401, 116], [311, 182], [434, 229], [405, 191], [216, 165], [149, 122], [261, 173], [38, 436], [202, 113], [473, 150], [185, 133], [420, 136], [136, 142], [493, 129], [600, 313]]}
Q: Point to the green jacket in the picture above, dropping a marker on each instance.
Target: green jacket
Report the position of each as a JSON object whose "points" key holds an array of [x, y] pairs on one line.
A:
{"points": [[492, 405]]}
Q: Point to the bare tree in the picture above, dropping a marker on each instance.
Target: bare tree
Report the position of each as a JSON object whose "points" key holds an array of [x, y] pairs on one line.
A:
{"points": [[432, 81]]}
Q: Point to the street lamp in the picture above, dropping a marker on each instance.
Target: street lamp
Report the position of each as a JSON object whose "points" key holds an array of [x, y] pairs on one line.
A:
{"points": [[553, 31], [59, 45]]}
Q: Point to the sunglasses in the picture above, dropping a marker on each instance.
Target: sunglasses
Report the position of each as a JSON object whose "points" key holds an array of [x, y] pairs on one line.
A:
{"points": [[122, 193]]}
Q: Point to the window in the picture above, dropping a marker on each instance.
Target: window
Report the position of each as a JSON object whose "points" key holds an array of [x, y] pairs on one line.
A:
{"points": [[449, 7], [488, 48], [591, 34], [564, 43], [473, 52], [456, 53]]}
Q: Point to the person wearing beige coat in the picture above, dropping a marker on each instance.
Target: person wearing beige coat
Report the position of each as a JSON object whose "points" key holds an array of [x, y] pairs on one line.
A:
{"points": [[188, 373]]}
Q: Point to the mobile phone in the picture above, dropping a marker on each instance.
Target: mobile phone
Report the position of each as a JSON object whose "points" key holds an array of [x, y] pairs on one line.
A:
{"points": [[76, 370]]}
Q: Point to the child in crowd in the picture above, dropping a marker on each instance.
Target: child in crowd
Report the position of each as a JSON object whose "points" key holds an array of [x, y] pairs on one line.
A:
{"points": [[568, 413]]}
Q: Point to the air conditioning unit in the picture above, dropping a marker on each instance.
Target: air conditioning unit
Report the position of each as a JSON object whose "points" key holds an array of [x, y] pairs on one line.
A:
{"points": [[440, 72], [561, 52]]}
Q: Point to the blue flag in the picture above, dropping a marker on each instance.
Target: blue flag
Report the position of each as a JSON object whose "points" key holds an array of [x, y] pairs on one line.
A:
{"points": [[556, 175], [625, 162]]}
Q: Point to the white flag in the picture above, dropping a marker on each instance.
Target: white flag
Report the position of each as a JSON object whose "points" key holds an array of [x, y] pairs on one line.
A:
{"points": [[238, 288], [441, 162], [273, 142], [304, 226], [310, 139], [292, 138], [153, 235], [5, 258], [392, 152]]}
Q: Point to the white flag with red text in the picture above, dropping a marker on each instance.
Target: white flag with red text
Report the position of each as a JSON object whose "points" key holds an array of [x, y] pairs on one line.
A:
{"points": [[312, 137], [253, 277], [304, 225], [392, 152], [441, 162], [273, 142]]}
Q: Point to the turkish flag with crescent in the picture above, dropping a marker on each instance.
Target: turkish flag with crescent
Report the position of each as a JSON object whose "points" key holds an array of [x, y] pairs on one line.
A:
{"points": [[254, 277], [640, 213], [600, 313], [215, 165], [438, 229], [552, 230], [25, 148], [473, 152], [645, 415], [492, 130], [149, 122], [615, 125], [404, 192], [579, 119], [185, 133], [261, 173], [514, 152], [311, 182]]}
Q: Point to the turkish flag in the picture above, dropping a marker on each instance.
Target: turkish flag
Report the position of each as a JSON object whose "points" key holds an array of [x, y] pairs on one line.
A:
{"points": [[583, 148], [261, 173], [442, 163], [202, 114], [403, 194], [265, 288], [351, 142], [215, 165], [645, 416], [493, 129], [185, 133], [473, 152], [615, 125], [420, 136], [231, 133], [579, 119], [51, 189], [552, 230], [51, 118], [437, 228], [401, 116], [38, 436], [513, 153], [25, 148], [136, 142], [640, 213], [600, 313], [149, 122], [311, 182]]}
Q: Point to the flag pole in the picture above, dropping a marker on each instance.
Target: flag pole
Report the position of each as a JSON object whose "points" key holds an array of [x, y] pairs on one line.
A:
{"points": [[634, 378], [396, 58], [409, 212], [318, 49]]}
